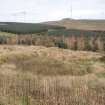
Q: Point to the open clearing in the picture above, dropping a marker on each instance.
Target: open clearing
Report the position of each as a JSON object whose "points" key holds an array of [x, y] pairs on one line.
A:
{"points": [[36, 75]]}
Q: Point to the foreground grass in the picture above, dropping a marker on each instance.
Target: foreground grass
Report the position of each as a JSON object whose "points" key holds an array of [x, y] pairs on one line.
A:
{"points": [[50, 76], [48, 61], [55, 90], [46, 66]]}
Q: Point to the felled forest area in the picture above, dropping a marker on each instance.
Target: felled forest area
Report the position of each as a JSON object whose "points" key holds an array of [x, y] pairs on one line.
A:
{"points": [[63, 38]]}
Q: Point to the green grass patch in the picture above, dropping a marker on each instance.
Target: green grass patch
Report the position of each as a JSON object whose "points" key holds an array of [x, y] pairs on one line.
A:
{"points": [[101, 75], [6, 34]]}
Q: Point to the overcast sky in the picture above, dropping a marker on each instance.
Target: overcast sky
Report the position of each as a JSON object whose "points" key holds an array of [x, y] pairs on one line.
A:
{"points": [[48, 10]]}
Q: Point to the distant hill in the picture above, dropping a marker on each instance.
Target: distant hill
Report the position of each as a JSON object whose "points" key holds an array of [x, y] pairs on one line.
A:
{"points": [[14, 27], [96, 25], [72, 24]]}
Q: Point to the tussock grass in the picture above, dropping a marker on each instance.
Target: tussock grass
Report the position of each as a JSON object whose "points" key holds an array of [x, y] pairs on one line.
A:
{"points": [[51, 90], [50, 76], [43, 66]]}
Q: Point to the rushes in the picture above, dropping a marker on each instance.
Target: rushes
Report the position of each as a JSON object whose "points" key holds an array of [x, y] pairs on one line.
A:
{"points": [[53, 91]]}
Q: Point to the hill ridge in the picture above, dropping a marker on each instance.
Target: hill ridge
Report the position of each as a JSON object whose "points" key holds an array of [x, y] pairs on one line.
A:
{"points": [[83, 24]]}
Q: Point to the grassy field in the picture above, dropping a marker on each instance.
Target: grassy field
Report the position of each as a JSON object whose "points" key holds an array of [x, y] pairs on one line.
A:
{"points": [[36, 75]]}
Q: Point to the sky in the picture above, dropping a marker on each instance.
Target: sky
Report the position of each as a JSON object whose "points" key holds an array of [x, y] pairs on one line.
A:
{"points": [[50, 10]]}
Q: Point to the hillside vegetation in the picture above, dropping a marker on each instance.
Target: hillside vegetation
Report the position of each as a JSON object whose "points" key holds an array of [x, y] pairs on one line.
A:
{"points": [[98, 25], [92, 25], [63, 38], [36, 75], [86, 35], [25, 28]]}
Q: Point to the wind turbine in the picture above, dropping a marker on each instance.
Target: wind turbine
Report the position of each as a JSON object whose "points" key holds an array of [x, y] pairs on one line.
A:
{"points": [[15, 16], [23, 13], [71, 8]]}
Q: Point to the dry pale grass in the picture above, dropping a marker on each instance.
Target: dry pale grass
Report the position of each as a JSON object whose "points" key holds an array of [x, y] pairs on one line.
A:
{"points": [[53, 52], [37, 75], [48, 61], [48, 90], [80, 24]]}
